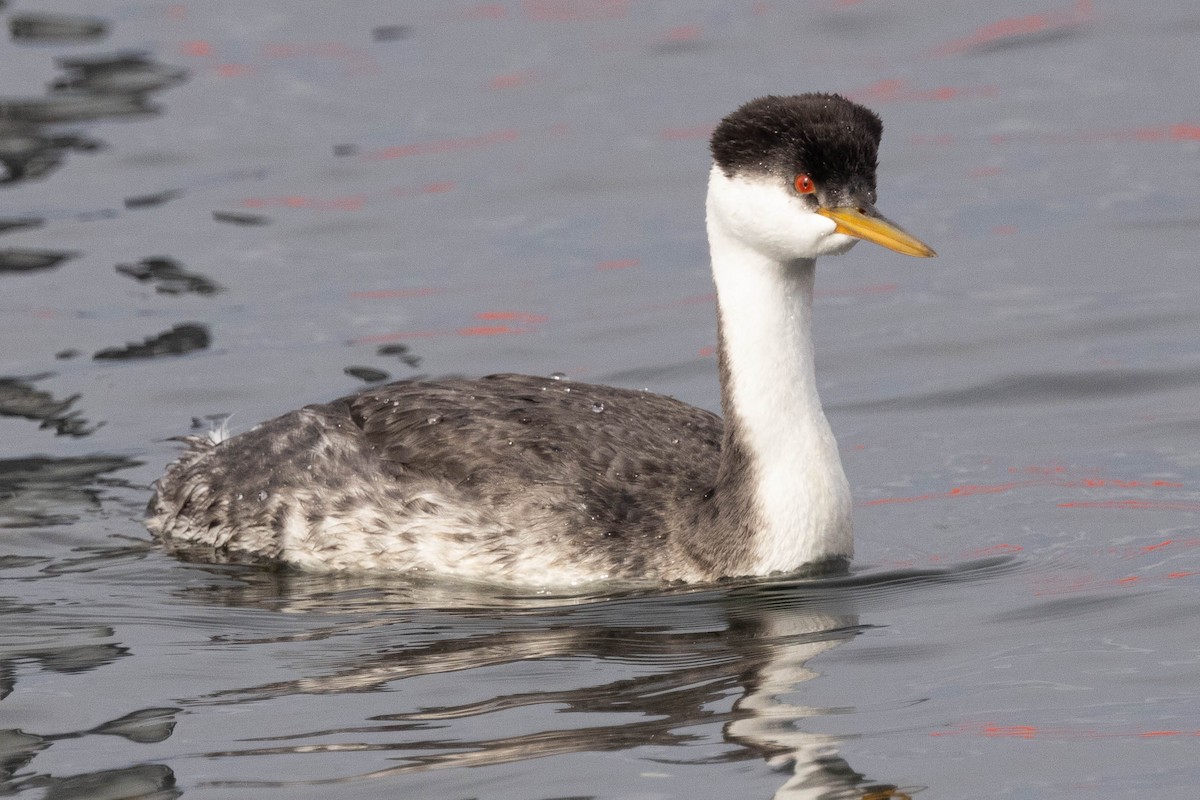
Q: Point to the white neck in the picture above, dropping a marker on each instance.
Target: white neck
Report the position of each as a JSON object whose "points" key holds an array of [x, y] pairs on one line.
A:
{"points": [[796, 477]]}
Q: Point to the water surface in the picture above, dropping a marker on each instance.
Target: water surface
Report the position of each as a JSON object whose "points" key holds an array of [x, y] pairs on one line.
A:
{"points": [[230, 209]]}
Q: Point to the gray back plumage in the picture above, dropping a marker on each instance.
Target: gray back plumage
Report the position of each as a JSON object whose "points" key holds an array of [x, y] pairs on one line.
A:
{"points": [[609, 478]]}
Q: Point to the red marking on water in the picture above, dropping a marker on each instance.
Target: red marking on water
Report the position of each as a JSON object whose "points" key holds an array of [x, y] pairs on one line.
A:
{"points": [[984, 172], [696, 132], [446, 145], [346, 203], [1176, 132], [491, 330], [574, 10], [1004, 230], [1141, 505], [1147, 548], [620, 263], [487, 11], [893, 90], [684, 33], [957, 491], [234, 70], [1019, 731], [198, 48], [968, 490], [1081, 13], [1184, 574], [1179, 132], [436, 187], [395, 294], [512, 316], [510, 81], [708, 352], [993, 730]]}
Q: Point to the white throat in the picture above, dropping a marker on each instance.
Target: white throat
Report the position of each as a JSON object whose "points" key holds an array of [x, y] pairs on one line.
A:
{"points": [[765, 303]]}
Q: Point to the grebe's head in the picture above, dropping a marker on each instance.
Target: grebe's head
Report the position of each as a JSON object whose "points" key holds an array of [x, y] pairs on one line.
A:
{"points": [[794, 177]]}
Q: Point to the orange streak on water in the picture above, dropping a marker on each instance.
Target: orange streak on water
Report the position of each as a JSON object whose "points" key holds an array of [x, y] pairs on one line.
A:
{"points": [[1013, 27]]}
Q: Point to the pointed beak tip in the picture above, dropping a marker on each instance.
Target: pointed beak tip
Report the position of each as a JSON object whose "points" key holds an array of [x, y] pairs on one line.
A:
{"points": [[868, 225]]}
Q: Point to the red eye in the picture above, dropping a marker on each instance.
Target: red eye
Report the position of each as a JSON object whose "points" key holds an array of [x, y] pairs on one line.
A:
{"points": [[804, 184]]}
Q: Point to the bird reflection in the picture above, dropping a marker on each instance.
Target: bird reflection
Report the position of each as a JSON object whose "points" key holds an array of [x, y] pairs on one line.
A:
{"points": [[32, 145], [694, 651]]}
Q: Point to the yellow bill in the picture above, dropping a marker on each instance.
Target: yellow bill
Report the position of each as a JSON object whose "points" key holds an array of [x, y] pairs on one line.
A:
{"points": [[874, 228]]}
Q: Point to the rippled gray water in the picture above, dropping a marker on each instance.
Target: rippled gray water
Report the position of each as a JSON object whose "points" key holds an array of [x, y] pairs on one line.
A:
{"points": [[235, 208]]}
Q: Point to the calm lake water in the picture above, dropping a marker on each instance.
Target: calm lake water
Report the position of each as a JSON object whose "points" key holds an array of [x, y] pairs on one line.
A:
{"points": [[230, 208]]}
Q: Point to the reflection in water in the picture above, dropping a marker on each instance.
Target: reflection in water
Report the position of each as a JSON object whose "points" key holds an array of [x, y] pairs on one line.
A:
{"points": [[39, 491], [144, 782], [692, 653], [400, 351], [169, 277], [366, 374], [34, 27], [239, 218], [59, 645], [19, 398], [93, 88], [21, 259], [8, 224], [183, 338], [133, 75], [52, 645], [28, 154], [50, 636]]}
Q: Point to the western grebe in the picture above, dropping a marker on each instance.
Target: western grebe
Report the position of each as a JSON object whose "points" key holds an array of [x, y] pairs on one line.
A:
{"points": [[539, 481]]}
